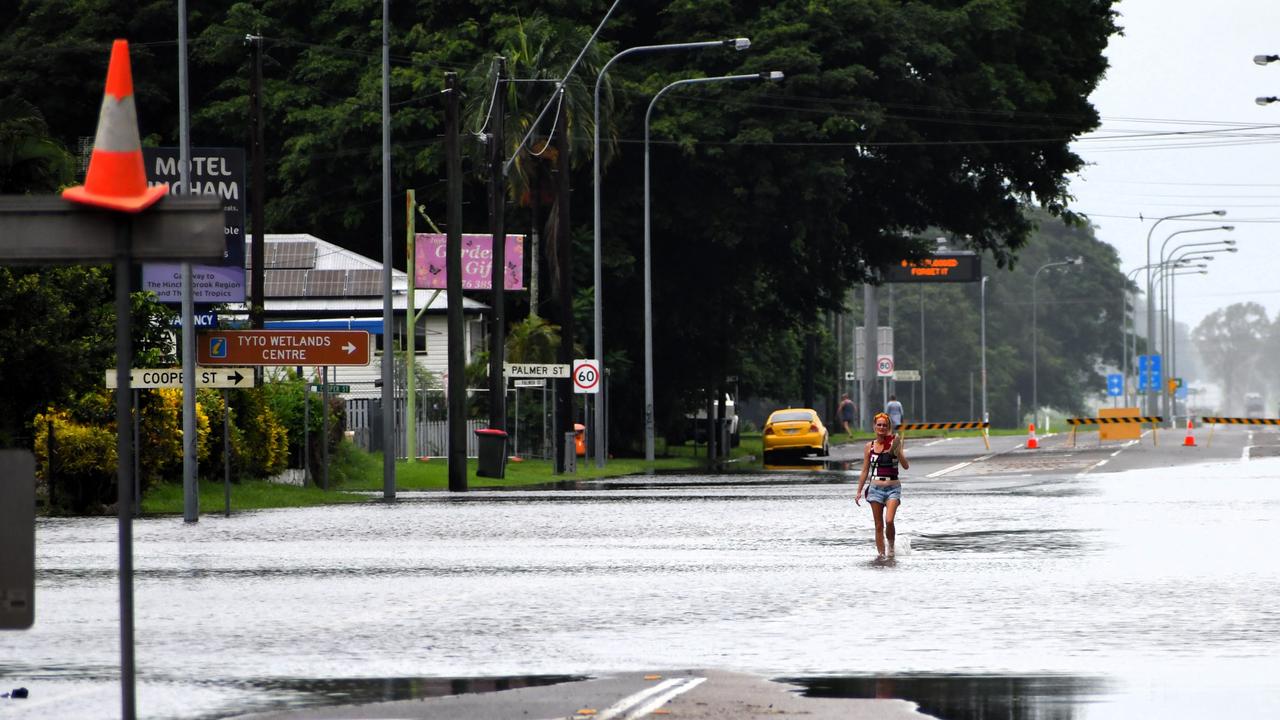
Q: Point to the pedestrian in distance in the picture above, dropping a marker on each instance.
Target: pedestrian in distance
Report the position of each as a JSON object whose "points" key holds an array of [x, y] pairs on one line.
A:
{"points": [[847, 412], [893, 409], [880, 462]]}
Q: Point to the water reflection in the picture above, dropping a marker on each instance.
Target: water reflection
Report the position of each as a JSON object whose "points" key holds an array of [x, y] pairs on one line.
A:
{"points": [[312, 692], [971, 697]]}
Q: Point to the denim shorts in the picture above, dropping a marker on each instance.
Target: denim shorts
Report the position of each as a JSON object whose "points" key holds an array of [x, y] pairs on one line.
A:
{"points": [[883, 493]]}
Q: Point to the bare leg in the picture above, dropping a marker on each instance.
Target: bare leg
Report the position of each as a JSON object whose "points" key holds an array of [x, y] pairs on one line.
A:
{"points": [[877, 514], [891, 531]]}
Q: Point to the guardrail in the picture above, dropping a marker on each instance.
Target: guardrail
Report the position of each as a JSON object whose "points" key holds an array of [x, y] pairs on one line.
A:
{"points": [[959, 425], [1214, 421], [1125, 420]]}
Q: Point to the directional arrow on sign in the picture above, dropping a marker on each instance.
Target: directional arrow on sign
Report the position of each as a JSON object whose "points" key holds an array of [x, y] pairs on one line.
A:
{"points": [[349, 347], [210, 377]]}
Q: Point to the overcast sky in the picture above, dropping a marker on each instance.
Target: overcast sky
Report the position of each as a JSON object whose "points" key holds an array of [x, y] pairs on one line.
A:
{"points": [[1181, 133]]}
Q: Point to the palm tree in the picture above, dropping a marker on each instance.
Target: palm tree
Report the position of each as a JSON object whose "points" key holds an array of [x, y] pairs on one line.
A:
{"points": [[538, 50], [30, 161]]}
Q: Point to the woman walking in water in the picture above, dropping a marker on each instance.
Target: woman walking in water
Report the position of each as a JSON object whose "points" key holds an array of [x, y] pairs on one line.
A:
{"points": [[880, 462]]}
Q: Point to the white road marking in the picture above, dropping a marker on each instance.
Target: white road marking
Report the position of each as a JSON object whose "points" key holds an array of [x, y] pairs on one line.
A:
{"points": [[944, 471], [690, 683], [667, 688]]}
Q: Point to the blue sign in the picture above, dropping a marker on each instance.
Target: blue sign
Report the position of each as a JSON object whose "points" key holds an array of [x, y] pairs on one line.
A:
{"points": [[1149, 375], [217, 347], [1181, 393], [204, 320], [1115, 384]]}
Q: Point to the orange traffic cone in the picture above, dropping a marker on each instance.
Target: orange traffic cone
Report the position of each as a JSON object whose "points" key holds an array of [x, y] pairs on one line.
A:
{"points": [[1190, 439], [1032, 442], [117, 179]]}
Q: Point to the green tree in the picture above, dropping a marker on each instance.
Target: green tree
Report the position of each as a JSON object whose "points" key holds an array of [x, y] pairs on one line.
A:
{"points": [[1231, 342], [30, 161]]}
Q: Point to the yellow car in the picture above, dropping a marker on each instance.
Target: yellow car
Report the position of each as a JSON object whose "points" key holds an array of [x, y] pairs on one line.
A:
{"points": [[795, 429]]}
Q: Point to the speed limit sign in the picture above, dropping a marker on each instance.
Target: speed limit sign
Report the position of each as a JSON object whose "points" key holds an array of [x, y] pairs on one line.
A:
{"points": [[586, 376], [884, 366]]}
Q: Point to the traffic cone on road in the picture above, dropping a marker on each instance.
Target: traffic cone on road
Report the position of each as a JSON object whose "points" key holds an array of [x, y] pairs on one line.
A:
{"points": [[117, 179], [1190, 439], [1032, 442]]}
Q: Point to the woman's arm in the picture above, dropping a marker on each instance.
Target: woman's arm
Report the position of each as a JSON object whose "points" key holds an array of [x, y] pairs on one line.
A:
{"points": [[901, 453], [862, 476]]}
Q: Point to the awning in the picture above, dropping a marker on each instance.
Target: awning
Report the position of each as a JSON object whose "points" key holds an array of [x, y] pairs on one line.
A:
{"points": [[374, 327]]}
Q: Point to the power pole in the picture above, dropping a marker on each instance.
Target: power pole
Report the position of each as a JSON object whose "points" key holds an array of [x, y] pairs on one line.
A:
{"points": [[564, 398], [497, 223], [457, 383], [257, 305]]}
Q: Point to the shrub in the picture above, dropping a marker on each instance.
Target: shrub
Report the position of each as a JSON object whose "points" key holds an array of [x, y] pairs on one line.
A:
{"points": [[81, 474]]}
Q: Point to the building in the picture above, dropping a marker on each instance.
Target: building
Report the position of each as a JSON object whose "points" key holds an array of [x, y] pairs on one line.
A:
{"points": [[309, 283]]}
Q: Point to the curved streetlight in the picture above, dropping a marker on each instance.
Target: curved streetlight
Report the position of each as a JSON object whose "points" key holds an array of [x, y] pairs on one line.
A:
{"points": [[597, 432], [1151, 320], [1164, 336], [1266, 60], [1207, 252], [1035, 344], [772, 76], [1172, 323]]}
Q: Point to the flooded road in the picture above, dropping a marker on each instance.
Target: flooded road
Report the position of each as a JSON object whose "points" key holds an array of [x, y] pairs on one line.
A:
{"points": [[1139, 593]]}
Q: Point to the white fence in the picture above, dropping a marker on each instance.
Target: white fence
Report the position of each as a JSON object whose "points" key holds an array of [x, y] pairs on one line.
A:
{"points": [[528, 423]]}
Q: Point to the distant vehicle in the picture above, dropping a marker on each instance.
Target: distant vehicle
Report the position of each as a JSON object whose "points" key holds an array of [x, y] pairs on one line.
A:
{"points": [[1253, 406], [695, 425], [795, 429]]}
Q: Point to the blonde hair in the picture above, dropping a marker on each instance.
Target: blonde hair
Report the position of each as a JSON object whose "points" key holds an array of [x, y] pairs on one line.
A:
{"points": [[881, 415]]}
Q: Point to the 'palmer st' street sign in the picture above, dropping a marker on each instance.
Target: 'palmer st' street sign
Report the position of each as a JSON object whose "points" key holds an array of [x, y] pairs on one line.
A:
{"points": [[283, 347]]}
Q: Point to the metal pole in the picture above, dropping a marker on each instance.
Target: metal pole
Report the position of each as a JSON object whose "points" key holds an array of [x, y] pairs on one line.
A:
{"points": [[1150, 307], [924, 373], [1035, 351], [124, 463], [410, 329], [190, 486], [648, 273], [226, 452], [306, 431], [498, 228], [597, 274], [983, 315], [388, 312], [137, 451], [388, 433]]}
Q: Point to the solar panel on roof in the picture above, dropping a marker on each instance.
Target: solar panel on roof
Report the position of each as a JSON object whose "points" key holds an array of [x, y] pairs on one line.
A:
{"points": [[284, 283], [292, 255], [364, 283], [326, 283]]}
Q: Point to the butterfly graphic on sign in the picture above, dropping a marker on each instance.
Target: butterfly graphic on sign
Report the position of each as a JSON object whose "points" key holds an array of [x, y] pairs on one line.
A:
{"points": [[433, 269]]}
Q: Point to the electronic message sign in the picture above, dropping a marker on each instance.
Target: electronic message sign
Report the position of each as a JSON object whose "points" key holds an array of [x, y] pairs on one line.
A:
{"points": [[939, 267]]}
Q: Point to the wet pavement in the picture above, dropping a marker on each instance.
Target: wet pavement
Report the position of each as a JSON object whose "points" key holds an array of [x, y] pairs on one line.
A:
{"points": [[1027, 586]]}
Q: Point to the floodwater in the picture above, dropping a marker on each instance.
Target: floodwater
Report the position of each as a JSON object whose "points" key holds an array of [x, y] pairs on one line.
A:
{"points": [[1139, 594]]}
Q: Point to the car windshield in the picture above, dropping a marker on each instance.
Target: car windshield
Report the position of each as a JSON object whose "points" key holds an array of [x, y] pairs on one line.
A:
{"points": [[793, 416]]}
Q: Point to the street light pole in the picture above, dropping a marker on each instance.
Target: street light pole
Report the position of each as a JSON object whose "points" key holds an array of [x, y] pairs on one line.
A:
{"points": [[648, 272], [1169, 264], [1150, 307], [597, 433], [1035, 344], [1163, 397], [983, 322]]}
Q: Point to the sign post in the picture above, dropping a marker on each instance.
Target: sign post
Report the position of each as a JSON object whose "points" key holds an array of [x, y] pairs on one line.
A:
{"points": [[18, 538]]}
